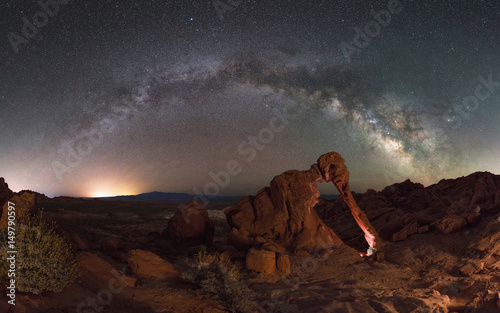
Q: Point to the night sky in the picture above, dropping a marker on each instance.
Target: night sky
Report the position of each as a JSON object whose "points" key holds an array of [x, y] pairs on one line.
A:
{"points": [[123, 97]]}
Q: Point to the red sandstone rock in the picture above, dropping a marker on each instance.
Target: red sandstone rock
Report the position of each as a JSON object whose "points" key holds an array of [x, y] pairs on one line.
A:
{"points": [[472, 218], [80, 244], [423, 229], [450, 224], [190, 226], [24, 204], [412, 228], [283, 214], [399, 205], [261, 261], [489, 245], [237, 239], [333, 169], [408, 230], [473, 267], [104, 272], [146, 263], [399, 236], [495, 266], [283, 263], [111, 245]]}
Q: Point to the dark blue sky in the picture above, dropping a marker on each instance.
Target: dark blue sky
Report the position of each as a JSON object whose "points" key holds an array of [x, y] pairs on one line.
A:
{"points": [[123, 97]]}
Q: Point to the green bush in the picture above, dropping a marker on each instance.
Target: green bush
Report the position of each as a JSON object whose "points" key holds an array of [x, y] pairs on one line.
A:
{"points": [[218, 279], [44, 261]]}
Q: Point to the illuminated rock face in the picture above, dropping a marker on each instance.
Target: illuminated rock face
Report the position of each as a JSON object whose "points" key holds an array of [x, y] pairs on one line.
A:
{"points": [[282, 217], [334, 170]]}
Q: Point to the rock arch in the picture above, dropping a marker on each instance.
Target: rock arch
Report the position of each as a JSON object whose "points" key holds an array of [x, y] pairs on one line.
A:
{"points": [[281, 217]]}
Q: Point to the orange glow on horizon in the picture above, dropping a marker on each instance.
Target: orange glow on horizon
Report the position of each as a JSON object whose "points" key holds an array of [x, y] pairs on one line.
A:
{"points": [[101, 194], [112, 192], [106, 188]]}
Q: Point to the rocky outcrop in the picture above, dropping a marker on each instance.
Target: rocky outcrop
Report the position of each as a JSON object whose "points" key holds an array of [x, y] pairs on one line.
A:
{"points": [[404, 209], [450, 224], [190, 226], [487, 248], [5, 192], [281, 218], [420, 301], [5, 195], [24, 204]]}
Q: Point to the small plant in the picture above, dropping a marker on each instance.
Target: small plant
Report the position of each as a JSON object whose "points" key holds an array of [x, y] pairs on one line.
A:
{"points": [[219, 279], [44, 261], [205, 258]]}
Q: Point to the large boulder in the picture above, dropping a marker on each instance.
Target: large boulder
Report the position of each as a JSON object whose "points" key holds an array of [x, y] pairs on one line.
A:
{"points": [[282, 213], [261, 261], [24, 204], [450, 224], [190, 226], [267, 262]]}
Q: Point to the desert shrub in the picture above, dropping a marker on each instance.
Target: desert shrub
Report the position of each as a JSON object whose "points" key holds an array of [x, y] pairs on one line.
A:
{"points": [[219, 280], [44, 261]]}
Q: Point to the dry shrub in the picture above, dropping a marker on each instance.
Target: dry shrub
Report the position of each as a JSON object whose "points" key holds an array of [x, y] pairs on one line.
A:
{"points": [[219, 280], [44, 261]]}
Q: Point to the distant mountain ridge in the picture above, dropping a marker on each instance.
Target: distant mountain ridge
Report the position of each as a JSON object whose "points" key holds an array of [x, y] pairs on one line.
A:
{"points": [[172, 197]]}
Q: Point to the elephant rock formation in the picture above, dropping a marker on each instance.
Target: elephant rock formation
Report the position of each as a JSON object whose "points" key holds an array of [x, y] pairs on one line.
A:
{"points": [[282, 217]]}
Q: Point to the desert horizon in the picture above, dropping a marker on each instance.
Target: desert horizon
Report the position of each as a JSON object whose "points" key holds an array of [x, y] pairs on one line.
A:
{"points": [[333, 193]]}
